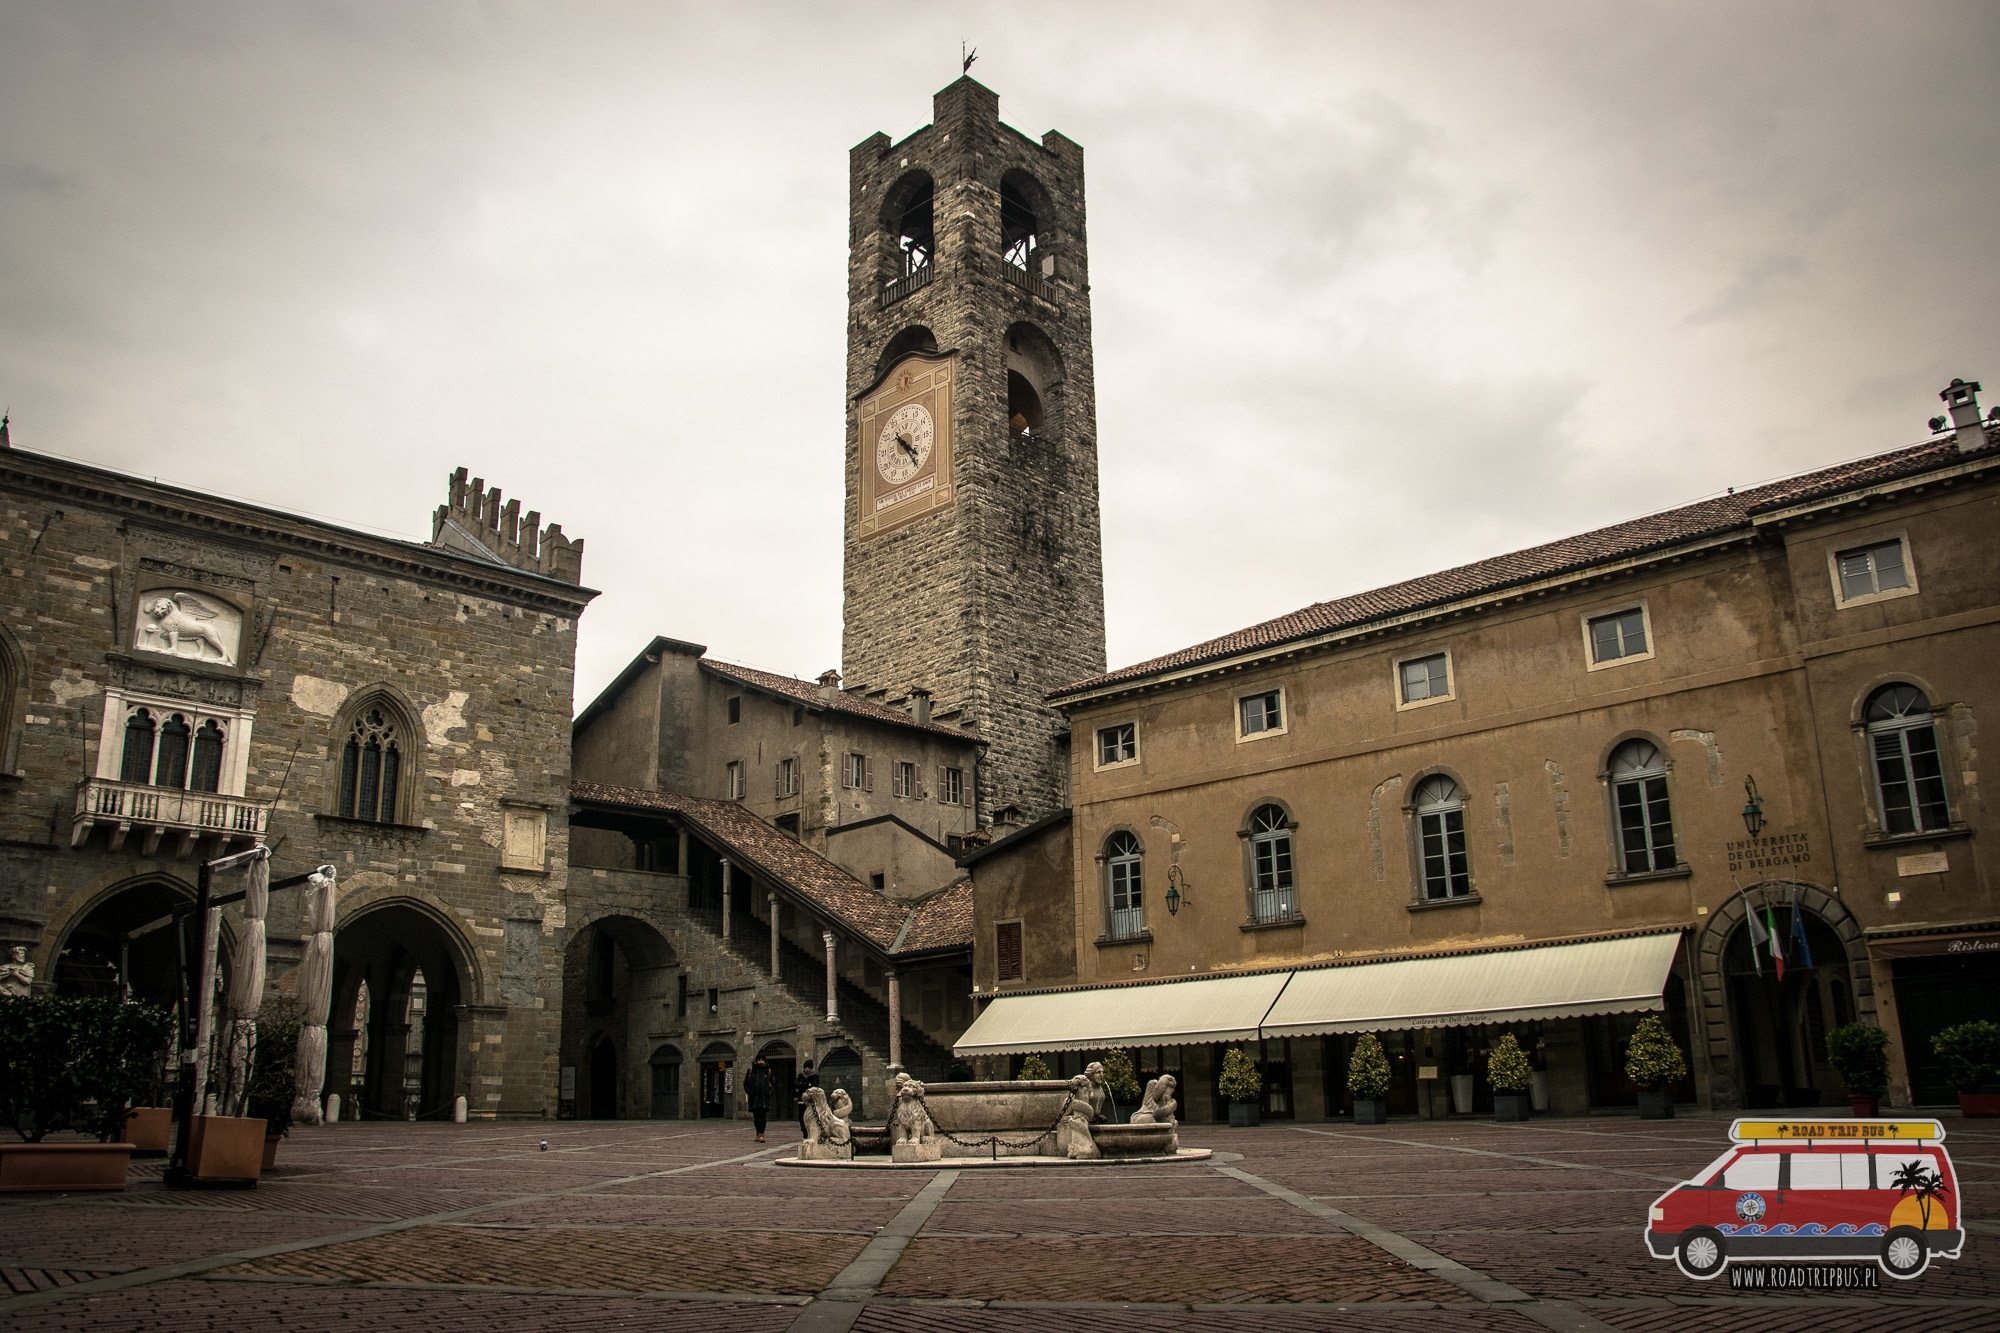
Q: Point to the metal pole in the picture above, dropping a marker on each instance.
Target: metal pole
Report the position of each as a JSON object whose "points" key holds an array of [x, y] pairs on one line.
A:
{"points": [[185, 1091]]}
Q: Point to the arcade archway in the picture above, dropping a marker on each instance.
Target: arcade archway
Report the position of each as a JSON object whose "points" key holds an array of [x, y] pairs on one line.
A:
{"points": [[618, 972], [125, 944], [1775, 1054], [400, 982]]}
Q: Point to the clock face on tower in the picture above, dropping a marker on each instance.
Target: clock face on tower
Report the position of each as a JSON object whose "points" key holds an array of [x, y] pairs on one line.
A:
{"points": [[905, 443], [903, 466]]}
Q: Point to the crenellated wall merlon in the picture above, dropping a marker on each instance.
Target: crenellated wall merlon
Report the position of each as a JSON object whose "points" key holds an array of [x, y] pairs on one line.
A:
{"points": [[476, 516]]}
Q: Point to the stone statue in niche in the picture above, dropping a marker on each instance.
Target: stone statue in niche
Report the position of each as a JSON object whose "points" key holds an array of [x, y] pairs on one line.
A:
{"points": [[182, 624], [17, 974]]}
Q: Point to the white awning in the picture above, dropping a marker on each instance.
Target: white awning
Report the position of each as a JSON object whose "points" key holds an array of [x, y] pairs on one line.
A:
{"points": [[1505, 986], [1168, 1013]]}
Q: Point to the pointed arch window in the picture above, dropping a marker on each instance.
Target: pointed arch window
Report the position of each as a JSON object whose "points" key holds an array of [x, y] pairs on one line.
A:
{"points": [[1123, 874], [140, 733], [1909, 772], [1640, 805], [170, 768], [1445, 869], [205, 770], [371, 768], [1273, 896]]}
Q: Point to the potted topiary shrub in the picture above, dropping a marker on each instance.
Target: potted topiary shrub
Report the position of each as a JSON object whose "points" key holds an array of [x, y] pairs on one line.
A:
{"points": [[1508, 1070], [1971, 1055], [1368, 1080], [1120, 1079], [1032, 1068], [1654, 1063], [274, 1073], [1242, 1087], [73, 1063], [1859, 1053]]}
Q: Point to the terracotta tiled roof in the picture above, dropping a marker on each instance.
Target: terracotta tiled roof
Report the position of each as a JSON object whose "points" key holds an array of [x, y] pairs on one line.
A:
{"points": [[1719, 515], [941, 921], [808, 693], [763, 850]]}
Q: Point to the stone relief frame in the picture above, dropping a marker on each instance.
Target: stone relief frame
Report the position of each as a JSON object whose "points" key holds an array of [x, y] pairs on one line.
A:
{"points": [[193, 624]]}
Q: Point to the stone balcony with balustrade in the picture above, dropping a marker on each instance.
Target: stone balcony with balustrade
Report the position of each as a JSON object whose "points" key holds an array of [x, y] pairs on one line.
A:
{"points": [[159, 813]]}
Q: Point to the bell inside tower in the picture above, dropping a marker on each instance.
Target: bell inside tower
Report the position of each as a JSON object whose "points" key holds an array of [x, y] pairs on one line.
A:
{"points": [[907, 215]]}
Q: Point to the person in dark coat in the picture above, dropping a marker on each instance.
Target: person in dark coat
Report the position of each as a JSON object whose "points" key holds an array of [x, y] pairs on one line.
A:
{"points": [[757, 1092], [806, 1079]]}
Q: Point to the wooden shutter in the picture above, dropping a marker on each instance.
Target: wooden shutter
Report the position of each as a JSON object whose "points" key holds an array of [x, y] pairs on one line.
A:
{"points": [[1007, 950]]}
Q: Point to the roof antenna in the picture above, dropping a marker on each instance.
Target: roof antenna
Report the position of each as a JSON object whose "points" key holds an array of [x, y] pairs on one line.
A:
{"points": [[965, 57]]}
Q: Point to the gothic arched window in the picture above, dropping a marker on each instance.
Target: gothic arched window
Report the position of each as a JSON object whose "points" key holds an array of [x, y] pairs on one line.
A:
{"points": [[136, 765], [170, 769], [371, 768], [1909, 773], [205, 774]]}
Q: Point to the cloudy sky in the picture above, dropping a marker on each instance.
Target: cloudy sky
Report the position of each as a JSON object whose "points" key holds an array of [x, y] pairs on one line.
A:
{"points": [[1378, 288]]}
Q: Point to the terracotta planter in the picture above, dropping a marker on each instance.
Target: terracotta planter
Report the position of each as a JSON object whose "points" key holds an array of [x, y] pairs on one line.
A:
{"points": [[150, 1130], [225, 1148], [1979, 1105], [63, 1167], [271, 1142], [1867, 1105]]}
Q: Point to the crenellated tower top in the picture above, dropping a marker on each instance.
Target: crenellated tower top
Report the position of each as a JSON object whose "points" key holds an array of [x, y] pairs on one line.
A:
{"points": [[482, 523]]}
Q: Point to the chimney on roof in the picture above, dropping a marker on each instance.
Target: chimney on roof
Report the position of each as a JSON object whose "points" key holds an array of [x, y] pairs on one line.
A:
{"points": [[829, 684], [1963, 401], [920, 705]]}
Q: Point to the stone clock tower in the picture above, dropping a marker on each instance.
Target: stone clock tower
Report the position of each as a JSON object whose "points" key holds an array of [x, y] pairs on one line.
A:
{"points": [[973, 562]]}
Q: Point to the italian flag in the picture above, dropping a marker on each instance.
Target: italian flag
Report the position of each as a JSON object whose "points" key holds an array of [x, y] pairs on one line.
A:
{"points": [[1776, 943]]}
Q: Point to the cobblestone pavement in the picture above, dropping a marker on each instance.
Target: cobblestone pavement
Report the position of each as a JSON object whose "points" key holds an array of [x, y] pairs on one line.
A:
{"points": [[1412, 1225]]}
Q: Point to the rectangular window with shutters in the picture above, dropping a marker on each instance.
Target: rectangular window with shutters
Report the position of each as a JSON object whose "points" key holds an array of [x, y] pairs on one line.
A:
{"points": [[1007, 951], [1872, 573], [788, 777], [951, 786], [1423, 680], [854, 771], [906, 778], [1617, 638], [734, 780]]}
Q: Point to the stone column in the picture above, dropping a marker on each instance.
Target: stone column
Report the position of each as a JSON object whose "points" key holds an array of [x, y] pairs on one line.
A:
{"points": [[832, 979], [771, 905], [895, 1019], [681, 854], [725, 900]]}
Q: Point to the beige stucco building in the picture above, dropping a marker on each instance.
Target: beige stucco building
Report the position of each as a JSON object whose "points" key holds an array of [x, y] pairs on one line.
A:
{"points": [[1537, 760]]}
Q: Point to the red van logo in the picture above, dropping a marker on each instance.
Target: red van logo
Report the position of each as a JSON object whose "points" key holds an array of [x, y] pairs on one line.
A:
{"points": [[1796, 1191]]}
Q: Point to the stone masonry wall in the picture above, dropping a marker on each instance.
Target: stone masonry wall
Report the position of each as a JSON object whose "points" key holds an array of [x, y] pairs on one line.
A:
{"points": [[482, 660], [998, 598]]}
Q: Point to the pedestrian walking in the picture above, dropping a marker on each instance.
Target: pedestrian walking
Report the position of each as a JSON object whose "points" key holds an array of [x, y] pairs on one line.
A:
{"points": [[757, 1092], [806, 1079]]}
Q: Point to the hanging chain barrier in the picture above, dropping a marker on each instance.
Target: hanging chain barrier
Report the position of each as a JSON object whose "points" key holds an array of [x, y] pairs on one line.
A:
{"points": [[994, 1141]]}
